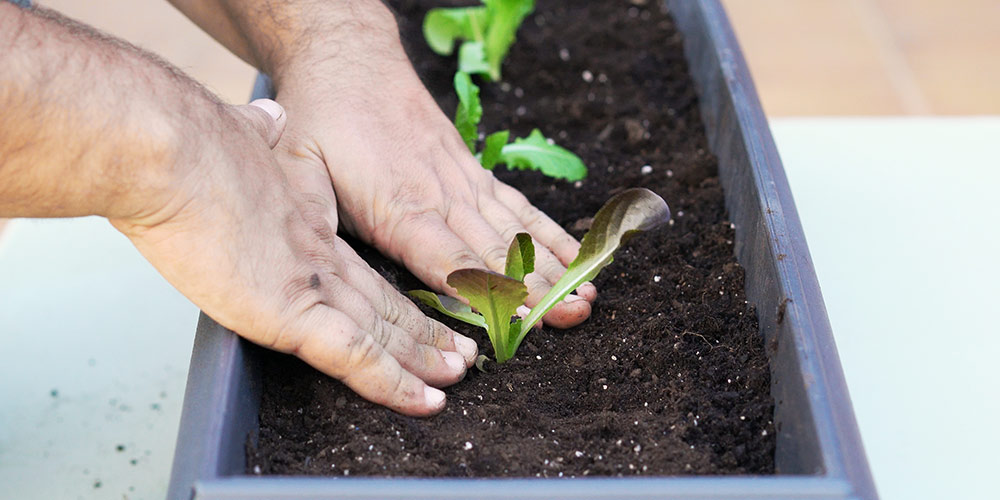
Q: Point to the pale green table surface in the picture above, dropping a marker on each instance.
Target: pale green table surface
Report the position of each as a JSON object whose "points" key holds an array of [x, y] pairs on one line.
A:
{"points": [[901, 220]]}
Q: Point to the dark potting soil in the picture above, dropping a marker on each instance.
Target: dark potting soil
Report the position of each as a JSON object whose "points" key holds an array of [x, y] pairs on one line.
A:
{"points": [[669, 375]]}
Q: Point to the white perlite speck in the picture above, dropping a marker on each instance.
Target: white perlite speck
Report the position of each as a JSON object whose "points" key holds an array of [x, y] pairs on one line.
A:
{"points": [[468, 445], [587, 76], [657, 278], [646, 170]]}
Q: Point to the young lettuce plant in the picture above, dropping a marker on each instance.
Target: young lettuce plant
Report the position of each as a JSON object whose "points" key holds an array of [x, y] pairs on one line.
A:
{"points": [[494, 297], [534, 152], [486, 31]]}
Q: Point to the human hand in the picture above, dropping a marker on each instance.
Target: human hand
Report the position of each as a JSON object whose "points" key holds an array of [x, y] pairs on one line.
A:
{"points": [[406, 183], [234, 236]]}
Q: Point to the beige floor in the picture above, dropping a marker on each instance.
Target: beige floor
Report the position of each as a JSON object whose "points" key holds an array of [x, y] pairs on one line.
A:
{"points": [[872, 57]]}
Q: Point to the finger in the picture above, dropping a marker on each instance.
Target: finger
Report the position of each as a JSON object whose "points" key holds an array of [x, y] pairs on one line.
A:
{"points": [[425, 244], [267, 117], [490, 235], [434, 366], [401, 312], [488, 240], [499, 216], [336, 346], [544, 229]]}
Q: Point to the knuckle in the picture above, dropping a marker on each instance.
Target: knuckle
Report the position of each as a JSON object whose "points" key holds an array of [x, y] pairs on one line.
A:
{"points": [[530, 215], [510, 231], [391, 310], [495, 256], [363, 352], [433, 332], [463, 259]]}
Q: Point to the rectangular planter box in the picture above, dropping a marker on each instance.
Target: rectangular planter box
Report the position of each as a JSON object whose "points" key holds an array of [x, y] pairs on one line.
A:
{"points": [[818, 451]]}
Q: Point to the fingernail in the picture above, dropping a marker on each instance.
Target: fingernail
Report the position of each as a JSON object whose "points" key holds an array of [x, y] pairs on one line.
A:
{"points": [[523, 311], [466, 347], [573, 298], [586, 285], [454, 360], [272, 108], [433, 397]]}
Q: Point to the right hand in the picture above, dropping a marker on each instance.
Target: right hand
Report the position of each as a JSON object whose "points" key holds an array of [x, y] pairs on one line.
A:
{"points": [[230, 233]]}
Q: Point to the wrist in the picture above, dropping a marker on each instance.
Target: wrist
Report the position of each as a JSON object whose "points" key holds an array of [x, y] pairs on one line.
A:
{"points": [[336, 45]]}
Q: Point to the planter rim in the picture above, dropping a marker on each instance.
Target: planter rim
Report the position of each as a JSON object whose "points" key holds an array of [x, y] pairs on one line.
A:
{"points": [[803, 305], [692, 487]]}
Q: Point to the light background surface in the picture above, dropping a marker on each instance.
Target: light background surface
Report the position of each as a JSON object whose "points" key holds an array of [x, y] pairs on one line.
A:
{"points": [[898, 213]]}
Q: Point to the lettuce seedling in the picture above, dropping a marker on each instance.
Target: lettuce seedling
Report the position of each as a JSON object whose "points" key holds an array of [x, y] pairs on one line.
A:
{"points": [[534, 152], [486, 32], [494, 297]]}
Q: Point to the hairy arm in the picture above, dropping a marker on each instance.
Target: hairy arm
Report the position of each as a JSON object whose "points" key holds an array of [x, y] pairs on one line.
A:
{"points": [[90, 125]]}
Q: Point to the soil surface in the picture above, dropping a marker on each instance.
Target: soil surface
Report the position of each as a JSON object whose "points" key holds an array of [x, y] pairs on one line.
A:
{"points": [[668, 377]]}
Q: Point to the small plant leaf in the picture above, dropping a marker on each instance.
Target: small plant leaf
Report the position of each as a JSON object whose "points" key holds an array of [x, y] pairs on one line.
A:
{"points": [[469, 110], [472, 59], [443, 26], [496, 297], [505, 17], [624, 215], [535, 153], [449, 306], [492, 147], [520, 257]]}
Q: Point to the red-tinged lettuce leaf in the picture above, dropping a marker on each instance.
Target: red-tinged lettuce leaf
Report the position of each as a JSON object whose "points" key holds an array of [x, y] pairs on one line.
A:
{"points": [[624, 215], [497, 298]]}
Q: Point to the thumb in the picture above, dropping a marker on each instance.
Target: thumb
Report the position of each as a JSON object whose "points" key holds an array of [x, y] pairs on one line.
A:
{"points": [[266, 117]]}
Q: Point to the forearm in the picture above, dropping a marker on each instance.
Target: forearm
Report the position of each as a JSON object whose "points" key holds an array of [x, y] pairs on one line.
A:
{"points": [[298, 39], [90, 125]]}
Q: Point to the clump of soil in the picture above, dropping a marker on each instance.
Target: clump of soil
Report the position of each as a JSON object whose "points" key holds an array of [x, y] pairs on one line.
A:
{"points": [[669, 376]]}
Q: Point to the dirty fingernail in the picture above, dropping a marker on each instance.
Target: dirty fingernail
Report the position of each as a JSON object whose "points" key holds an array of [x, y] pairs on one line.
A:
{"points": [[466, 347], [454, 360], [433, 397]]}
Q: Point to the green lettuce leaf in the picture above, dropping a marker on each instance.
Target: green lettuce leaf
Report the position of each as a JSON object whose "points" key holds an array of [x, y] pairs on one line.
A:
{"points": [[472, 59], [505, 17], [443, 26], [469, 110], [535, 153], [497, 298], [492, 147], [624, 215], [520, 257], [449, 306]]}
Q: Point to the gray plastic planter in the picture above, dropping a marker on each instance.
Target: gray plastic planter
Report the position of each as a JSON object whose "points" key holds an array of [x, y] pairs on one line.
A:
{"points": [[819, 452]]}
